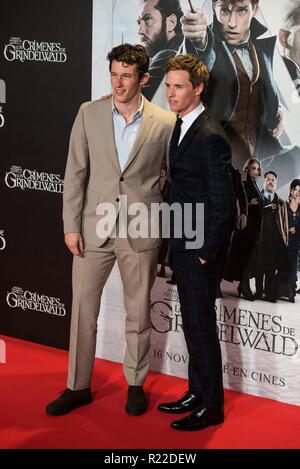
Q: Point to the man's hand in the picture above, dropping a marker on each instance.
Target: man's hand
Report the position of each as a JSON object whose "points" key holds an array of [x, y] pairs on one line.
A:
{"points": [[105, 97], [253, 201], [74, 243], [281, 124], [202, 261], [194, 26], [242, 222]]}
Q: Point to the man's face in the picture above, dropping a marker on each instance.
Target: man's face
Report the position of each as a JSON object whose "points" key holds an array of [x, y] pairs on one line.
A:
{"points": [[235, 20], [290, 42], [182, 97], [294, 43], [152, 27], [125, 81], [270, 183]]}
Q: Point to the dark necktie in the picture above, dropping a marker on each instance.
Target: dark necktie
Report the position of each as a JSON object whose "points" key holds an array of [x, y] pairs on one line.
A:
{"points": [[235, 47], [175, 137]]}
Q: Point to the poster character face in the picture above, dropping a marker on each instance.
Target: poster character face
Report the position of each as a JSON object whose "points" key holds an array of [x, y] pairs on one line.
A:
{"points": [[270, 183], [254, 170], [152, 27], [125, 81], [182, 97], [295, 193], [289, 34], [296, 43], [290, 42], [293, 43], [235, 19]]}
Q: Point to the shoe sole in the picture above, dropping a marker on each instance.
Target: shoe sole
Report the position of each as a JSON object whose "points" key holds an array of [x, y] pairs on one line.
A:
{"points": [[197, 428], [135, 413]]}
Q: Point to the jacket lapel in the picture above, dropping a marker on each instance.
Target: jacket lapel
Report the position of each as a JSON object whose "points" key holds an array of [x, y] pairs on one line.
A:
{"points": [[107, 128], [185, 142], [146, 124]]}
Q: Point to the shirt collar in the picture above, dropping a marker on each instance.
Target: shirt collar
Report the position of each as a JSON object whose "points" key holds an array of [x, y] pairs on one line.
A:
{"points": [[266, 193], [189, 118], [138, 113]]}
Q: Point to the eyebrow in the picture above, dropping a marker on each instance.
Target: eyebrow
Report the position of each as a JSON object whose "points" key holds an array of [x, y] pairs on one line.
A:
{"points": [[144, 17], [236, 8], [125, 73], [175, 84]]}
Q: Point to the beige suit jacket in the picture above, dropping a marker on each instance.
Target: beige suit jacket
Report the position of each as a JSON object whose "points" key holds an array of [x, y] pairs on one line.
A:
{"points": [[93, 175]]}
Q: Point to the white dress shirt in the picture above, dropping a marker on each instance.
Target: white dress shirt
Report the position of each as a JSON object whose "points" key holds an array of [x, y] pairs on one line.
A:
{"points": [[188, 120]]}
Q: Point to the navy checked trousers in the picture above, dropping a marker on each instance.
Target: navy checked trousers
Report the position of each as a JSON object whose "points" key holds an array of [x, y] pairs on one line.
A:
{"points": [[197, 285]]}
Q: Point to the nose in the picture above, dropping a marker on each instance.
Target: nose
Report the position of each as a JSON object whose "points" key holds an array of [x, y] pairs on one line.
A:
{"points": [[119, 82], [142, 29], [170, 92], [232, 20]]}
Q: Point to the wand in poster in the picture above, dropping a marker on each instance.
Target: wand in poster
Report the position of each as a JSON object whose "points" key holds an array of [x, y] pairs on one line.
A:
{"points": [[191, 6]]}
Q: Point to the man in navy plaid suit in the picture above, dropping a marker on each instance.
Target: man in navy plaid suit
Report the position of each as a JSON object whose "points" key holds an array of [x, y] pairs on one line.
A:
{"points": [[200, 162]]}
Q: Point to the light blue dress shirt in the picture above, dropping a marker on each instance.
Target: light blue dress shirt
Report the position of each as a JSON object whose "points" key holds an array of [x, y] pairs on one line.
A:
{"points": [[125, 133], [269, 195]]}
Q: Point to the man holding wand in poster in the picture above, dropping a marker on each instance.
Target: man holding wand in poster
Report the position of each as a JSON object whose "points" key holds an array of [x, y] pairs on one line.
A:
{"points": [[241, 93]]}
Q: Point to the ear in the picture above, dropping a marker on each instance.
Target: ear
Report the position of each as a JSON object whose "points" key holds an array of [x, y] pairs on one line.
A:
{"points": [[144, 79], [282, 36], [171, 23], [199, 89], [255, 9]]}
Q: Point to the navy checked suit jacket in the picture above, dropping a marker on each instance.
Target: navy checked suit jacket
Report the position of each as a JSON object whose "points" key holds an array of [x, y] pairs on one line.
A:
{"points": [[200, 173]]}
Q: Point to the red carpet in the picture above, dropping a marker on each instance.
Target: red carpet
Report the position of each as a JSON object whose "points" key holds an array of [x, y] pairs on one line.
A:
{"points": [[34, 374]]}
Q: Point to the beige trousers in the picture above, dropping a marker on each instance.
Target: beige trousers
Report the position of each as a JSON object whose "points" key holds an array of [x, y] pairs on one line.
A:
{"points": [[90, 273]]}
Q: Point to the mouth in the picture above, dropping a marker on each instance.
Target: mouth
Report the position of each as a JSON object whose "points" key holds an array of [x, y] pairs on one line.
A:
{"points": [[144, 39], [230, 35]]}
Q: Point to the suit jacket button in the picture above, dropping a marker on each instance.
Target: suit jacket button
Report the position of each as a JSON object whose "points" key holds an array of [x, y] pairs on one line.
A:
{"points": [[117, 199], [121, 179]]}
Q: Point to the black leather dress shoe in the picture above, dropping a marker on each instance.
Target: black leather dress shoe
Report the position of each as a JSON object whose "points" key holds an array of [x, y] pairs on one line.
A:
{"points": [[187, 403], [69, 400], [136, 401], [270, 299], [258, 296], [245, 292], [199, 419]]}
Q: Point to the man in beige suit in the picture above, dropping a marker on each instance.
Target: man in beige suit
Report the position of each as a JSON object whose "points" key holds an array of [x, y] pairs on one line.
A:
{"points": [[117, 148]]}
